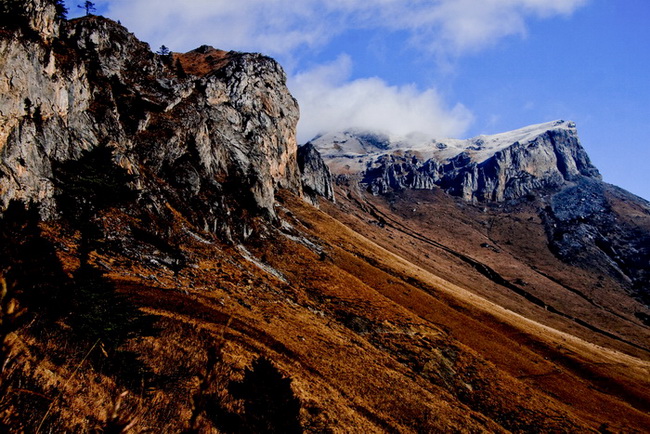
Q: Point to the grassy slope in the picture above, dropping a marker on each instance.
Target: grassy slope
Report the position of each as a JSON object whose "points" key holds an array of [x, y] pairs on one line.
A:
{"points": [[375, 338]]}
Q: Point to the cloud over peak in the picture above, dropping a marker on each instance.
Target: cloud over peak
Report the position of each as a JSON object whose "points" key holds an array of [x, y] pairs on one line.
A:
{"points": [[329, 101], [293, 31]]}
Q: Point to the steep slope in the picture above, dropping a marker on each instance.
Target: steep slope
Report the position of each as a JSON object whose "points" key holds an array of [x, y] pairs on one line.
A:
{"points": [[372, 339], [443, 272]]}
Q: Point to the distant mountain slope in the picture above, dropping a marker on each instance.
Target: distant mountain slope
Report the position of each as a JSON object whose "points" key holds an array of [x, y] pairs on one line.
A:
{"points": [[588, 223]]}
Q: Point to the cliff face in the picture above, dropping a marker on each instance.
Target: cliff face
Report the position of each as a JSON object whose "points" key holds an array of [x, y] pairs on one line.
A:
{"points": [[486, 168], [549, 160], [213, 142], [316, 176]]}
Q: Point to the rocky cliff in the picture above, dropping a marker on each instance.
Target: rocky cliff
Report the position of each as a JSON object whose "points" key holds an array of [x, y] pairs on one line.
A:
{"points": [[486, 168], [213, 141], [316, 176]]}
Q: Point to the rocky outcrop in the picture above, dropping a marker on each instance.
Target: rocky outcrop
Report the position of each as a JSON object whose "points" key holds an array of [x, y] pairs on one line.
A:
{"points": [[585, 227], [316, 176], [38, 19], [213, 142], [488, 168]]}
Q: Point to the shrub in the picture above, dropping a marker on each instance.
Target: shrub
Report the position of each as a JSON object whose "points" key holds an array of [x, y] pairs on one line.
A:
{"points": [[31, 261], [99, 313], [270, 406]]}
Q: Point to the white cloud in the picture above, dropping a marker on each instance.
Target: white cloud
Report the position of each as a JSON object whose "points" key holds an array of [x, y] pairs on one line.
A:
{"points": [[330, 102], [278, 27], [271, 26], [453, 27]]}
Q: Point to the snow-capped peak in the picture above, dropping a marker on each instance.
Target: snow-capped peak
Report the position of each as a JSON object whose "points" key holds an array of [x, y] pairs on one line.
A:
{"points": [[353, 148]]}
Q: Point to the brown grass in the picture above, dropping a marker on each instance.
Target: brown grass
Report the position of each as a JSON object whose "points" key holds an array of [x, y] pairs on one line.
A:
{"points": [[203, 63], [374, 335]]}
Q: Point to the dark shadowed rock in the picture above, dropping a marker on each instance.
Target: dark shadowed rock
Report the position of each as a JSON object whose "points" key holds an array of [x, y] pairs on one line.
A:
{"points": [[588, 226], [316, 176]]}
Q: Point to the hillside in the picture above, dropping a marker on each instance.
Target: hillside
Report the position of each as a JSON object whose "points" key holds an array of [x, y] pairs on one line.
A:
{"points": [[172, 261]]}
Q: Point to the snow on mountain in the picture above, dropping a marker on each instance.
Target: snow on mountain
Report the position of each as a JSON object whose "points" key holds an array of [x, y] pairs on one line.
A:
{"points": [[351, 151], [494, 168]]}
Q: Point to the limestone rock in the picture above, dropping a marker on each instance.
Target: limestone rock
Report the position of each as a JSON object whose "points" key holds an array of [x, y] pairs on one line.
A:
{"points": [[212, 142], [487, 168]]}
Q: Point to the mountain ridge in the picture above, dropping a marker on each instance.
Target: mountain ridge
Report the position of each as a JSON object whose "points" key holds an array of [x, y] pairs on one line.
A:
{"points": [[543, 163], [494, 168]]}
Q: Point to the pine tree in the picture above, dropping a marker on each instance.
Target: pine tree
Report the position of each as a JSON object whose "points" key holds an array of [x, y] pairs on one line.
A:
{"points": [[88, 6], [180, 71], [99, 313], [61, 9], [163, 51], [87, 186]]}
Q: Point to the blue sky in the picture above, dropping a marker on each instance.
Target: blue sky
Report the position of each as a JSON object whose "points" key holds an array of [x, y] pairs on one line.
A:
{"points": [[449, 68]]}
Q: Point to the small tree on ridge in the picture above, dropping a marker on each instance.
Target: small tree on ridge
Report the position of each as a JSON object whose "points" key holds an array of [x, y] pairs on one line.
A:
{"points": [[163, 51], [88, 6]]}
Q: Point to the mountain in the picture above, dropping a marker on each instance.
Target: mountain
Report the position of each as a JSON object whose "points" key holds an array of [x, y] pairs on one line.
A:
{"points": [[217, 141], [172, 261], [586, 221], [496, 168]]}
